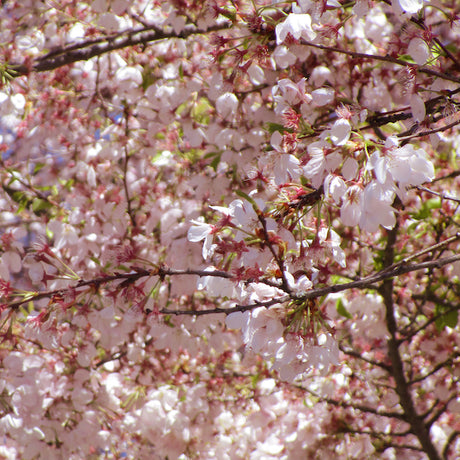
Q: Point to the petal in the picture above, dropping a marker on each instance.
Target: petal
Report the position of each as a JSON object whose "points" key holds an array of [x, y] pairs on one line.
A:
{"points": [[418, 50], [236, 320], [298, 25], [350, 168], [322, 96], [340, 132], [418, 108], [198, 231], [226, 105], [411, 6]]}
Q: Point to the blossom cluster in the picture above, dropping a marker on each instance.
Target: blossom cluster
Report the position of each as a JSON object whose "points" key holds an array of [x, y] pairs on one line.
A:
{"points": [[229, 229]]}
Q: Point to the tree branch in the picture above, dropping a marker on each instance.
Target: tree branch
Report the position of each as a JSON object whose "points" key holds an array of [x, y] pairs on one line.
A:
{"points": [[360, 356], [360, 407], [416, 422], [435, 369], [95, 47], [138, 273], [364, 283], [450, 440], [441, 410], [441, 195], [227, 311], [387, 58]]}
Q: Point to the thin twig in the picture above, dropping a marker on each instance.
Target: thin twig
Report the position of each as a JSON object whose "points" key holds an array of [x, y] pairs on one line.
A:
{"points": [[387, 58], [441, 195]]}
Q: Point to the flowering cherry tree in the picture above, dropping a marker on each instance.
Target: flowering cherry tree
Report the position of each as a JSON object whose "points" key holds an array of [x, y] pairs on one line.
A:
{"points": [[230, 229]]}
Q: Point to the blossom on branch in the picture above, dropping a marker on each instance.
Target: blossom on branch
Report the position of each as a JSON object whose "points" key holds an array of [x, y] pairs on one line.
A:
{"points": [[297, 25], [310, 148]]}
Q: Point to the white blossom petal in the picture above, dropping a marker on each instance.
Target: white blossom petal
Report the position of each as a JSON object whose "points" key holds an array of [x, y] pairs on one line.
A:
{"points": [[298, 25], [418, 108], [322, 96], [340, 132], [418, 50], [411, 6], [226, 105]]}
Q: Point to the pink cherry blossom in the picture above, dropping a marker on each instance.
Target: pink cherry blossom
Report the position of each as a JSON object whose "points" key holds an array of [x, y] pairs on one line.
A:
{"points": [[298, 25], [200, 231], [229, 229]]}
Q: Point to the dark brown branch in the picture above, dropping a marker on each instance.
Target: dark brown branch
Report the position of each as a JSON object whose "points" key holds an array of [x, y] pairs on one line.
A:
{"points": [[278, 259], [125, 171], [441, 410], [451, 175], [434, 247], [393, 116], [384, 438], [96, 47], [450, 440], [430, 297], [429, 411], [418, 427], [363, 283], [403, 136], [227, 311], [114, 357], [421, 23]]}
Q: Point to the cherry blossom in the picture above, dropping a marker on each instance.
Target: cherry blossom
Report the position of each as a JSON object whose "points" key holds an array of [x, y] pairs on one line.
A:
{"points": [[298, 25], [200, 231], [229, 229], [418, 50], [411, 6]]}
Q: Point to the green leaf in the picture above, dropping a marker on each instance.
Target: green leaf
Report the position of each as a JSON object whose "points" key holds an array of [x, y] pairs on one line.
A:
{"points": [[341, 310], [215, 162], [201, 111], [272, 127], [248, 198], [448, 320], [37, 168], [40, 206], [427, 207], [19, 197], [49, 233]]}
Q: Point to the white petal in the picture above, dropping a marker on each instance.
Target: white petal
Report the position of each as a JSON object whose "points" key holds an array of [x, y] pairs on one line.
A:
{"points": [[198, 231], [298, 25], [322, 96], [283, 58], [275, 141], [418, 50], [226, 105], [256, 74], [129, 73], [350, 168], [340, 132], [350, 213], [411, 6], [236, 320], [418, 108], [19, 102], [208, 247]]}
